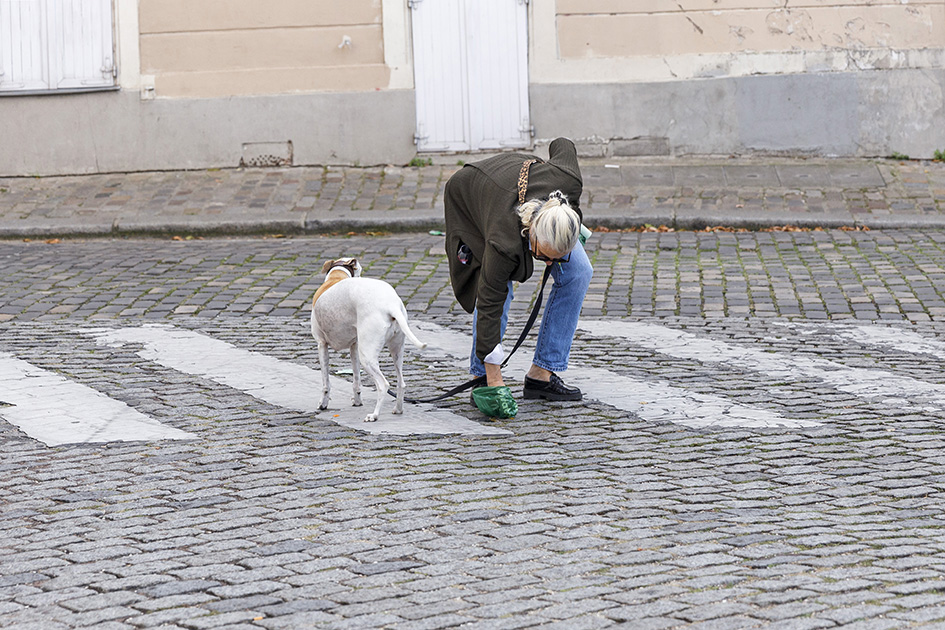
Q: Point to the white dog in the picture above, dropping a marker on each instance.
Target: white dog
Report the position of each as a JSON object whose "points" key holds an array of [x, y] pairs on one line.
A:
{"points": [[362, 315]]}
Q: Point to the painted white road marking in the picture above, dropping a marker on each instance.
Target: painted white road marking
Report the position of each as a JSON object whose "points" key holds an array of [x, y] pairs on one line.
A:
{"points": [[283, 383], [657, 402], [866, 383], [881, 336], [54, 410]]}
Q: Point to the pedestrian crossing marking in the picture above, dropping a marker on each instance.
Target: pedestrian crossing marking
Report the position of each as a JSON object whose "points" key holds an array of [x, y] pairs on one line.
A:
{"points": [[55, 411], [283, 383], [868, 383], [652, 401], [881, 336]]}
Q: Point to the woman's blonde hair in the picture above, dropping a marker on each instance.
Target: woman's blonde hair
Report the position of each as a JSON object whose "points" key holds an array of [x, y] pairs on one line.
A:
{"points": [[552, 222]]}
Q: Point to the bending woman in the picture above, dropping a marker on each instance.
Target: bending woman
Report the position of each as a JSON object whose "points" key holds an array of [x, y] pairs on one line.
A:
{"points": [[502, 214]]}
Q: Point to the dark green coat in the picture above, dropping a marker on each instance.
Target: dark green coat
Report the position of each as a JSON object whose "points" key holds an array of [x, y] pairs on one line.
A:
{"points": [[481, 201]]}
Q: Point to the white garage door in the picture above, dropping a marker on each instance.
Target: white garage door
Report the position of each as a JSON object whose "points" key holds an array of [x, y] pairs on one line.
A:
{"points": [[471, 72]]}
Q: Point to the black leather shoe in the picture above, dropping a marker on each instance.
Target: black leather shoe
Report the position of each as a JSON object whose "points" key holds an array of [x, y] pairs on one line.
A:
{"points": [[472, 400], [553, 389]]}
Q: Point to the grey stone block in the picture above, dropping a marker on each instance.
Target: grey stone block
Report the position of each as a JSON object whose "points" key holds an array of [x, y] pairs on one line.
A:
{"points": [[643, 146]]}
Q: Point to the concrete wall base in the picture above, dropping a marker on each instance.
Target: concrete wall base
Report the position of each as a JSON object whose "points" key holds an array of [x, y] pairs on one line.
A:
{"points": [[119, 131], [861, 114]]}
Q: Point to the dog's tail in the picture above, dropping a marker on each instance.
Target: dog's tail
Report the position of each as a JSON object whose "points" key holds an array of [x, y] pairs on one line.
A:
{"points": [[400, 316]]}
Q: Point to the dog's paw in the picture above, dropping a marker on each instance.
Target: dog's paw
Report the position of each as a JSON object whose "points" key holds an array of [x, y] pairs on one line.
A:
{"points": [[370, 418], [398, 410], [323, 404], [356, 402]]}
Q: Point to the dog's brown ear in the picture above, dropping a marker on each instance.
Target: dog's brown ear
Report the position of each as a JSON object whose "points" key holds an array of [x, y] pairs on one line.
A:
{"points": [[327, 265]]}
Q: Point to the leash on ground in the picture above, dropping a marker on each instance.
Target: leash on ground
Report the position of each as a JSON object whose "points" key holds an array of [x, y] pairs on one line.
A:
{"points": [[479, 381]]}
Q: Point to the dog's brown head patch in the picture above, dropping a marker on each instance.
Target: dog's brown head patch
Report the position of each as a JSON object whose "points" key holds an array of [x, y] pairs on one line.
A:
{"points": [[351, 264]]}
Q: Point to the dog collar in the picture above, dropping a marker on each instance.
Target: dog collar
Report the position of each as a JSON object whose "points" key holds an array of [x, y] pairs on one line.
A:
{"points": [[343, 268]]}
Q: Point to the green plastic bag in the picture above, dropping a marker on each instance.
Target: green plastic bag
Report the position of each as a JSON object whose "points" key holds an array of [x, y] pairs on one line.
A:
{"points": [[495, 402], [585, 234]]}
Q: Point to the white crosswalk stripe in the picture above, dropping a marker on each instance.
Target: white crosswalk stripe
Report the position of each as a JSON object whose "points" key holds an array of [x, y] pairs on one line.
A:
{"points": [[867, 383], [283, 383], [657, 402], [878, 336], [54, 410]]}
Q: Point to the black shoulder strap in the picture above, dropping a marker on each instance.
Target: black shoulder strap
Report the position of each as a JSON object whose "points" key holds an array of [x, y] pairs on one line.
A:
{"points": [[532, 316]]}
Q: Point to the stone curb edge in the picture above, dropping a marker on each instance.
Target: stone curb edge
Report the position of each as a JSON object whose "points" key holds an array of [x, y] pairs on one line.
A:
{"points": [[691, 222]]}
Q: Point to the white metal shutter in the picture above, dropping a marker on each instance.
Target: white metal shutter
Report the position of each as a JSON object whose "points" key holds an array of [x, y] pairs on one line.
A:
{"points": [[440, 75], [497, 44], [23, 55], [81, 32], [56, 45], [471, 74]]}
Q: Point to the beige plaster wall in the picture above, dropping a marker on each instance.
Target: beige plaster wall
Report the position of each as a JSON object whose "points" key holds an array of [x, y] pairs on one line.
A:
{"points": [[220, 48], [662, 40], [727, 27]]}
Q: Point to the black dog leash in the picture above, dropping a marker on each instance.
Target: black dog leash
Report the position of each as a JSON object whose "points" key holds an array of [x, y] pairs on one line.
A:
{"points": [[481, 380]]}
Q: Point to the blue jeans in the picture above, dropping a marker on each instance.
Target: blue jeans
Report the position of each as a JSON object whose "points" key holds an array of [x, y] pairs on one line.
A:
{"points": [[571, 280]]}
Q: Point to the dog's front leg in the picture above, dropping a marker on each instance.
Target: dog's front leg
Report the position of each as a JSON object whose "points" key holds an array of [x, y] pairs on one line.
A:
{"points": [[323, 364], [355, 375]]}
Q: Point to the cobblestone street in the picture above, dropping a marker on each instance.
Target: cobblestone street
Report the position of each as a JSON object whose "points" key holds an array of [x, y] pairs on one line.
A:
{"points": [[760, 445]]}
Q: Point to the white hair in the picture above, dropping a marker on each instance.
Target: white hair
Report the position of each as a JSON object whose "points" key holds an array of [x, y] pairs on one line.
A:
{"points": [[552, 222]]}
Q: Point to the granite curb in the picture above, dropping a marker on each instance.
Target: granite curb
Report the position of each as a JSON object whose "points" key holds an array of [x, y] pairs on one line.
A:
{"points": [[685, 221]]}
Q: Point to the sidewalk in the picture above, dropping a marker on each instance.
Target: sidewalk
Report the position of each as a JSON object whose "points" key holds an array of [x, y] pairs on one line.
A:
{"points": [[683, 193]]}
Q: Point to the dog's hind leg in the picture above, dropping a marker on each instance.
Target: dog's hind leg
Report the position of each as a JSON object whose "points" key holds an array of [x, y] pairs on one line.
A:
{"points": [[368, 353], [396, 347], [323, 365], [355, 376]]}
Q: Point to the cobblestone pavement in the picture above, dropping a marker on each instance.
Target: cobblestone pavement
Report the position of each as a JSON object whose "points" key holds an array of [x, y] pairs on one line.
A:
{"points": [[583, 516], [619, 192]]}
